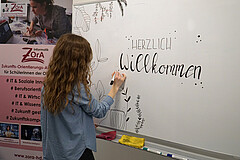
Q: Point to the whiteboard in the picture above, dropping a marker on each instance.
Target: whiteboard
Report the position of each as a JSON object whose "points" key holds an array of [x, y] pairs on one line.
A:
{"points": [[181, 59]]}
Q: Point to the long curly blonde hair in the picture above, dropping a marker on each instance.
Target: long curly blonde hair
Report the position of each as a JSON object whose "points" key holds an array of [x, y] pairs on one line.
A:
{"points": [[69, 67]]}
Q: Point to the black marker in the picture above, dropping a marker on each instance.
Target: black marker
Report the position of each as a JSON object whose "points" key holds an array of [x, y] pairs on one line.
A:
{"points": [[112, 81]]}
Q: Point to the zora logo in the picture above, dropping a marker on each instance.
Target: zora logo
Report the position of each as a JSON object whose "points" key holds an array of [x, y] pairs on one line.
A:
{"points": [[32, 56], [16, 7]]}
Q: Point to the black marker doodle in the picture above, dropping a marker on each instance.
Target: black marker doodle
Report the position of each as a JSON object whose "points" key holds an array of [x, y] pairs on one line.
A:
{"points": [[100, 90], [127, 99], [201, 83], [125, 93], [119, 118], [199, 38], [140, 119], [82, 20], [98, 56], [120, 4]]}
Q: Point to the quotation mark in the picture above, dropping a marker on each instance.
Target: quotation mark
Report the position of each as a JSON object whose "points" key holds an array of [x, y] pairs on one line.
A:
{"points": [[198, 38]]}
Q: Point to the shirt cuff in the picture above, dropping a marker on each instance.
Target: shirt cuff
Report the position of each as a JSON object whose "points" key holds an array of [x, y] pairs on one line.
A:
{"points": [[109, 100]]}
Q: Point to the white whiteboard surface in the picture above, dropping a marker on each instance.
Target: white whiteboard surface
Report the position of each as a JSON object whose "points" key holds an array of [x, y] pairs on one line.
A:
{"points": [[197, 105]]}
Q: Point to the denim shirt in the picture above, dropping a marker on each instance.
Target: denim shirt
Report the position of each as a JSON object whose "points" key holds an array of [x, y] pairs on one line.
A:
{"points": [[65, 136]]}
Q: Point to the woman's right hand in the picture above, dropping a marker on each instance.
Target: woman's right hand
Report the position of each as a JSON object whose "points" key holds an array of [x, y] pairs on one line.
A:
{"points": [[30, 29], [118, 81], [29, 32]]}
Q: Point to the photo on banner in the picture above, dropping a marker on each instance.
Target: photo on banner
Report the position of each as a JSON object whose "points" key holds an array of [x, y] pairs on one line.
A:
{"points": [[8, 130], [34, 21]]}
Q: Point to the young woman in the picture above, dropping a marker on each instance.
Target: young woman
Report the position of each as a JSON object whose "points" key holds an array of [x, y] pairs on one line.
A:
{"points": [[8, 132], [51, 18], [67, 106]]}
